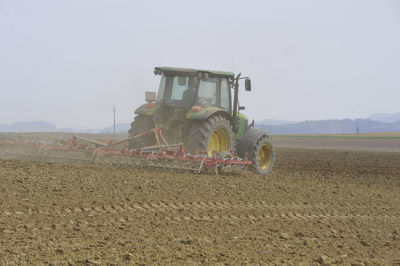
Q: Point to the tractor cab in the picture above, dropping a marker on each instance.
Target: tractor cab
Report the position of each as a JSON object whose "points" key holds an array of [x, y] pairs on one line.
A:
{"points": [[180, 87]]}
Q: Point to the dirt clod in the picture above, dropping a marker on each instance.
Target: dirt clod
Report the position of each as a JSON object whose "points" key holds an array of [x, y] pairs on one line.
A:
{"points": [[325, 260], [285, 236]]}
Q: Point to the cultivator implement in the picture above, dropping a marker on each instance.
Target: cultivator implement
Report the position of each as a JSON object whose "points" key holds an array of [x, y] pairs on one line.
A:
{"points": [[160, 156]]}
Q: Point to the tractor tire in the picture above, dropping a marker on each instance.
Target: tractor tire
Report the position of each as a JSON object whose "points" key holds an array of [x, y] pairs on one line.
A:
{"points": [[257, 145], [212, 134], [141, 124], [263, 156]]}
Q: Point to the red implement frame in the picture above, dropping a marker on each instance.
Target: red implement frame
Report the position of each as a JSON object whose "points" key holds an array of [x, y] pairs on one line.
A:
{"points": [[162, 152]]}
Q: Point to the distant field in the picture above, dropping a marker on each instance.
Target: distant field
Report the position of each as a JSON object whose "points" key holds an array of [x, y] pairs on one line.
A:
{"points": [[386, 135], [383, 141], [397, 133]]}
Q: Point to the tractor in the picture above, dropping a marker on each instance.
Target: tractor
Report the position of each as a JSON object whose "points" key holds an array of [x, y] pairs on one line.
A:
{"points": [[200, 108]]}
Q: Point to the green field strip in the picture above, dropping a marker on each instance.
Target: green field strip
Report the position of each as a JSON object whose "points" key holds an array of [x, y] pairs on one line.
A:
{"points": [[336, 137]]}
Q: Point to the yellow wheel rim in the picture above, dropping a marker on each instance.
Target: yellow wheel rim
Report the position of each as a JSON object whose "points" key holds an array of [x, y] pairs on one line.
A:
{"points": [[218, 142], [264, 157]]}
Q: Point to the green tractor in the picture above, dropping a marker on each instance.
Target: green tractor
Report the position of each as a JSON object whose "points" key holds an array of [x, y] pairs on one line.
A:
{"points": [[196, 107]]}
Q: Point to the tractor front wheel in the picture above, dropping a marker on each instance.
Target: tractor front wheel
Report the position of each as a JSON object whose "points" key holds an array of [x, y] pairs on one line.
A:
{"points": [[263, 156], [257, 145]]}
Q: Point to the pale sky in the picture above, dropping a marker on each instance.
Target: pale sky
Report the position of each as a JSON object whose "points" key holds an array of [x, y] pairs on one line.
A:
{"points": [[69, 61]]}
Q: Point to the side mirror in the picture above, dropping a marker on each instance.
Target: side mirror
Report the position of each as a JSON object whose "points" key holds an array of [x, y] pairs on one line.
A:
{"points": [[157, 71], [247, 84], [150, 96]]}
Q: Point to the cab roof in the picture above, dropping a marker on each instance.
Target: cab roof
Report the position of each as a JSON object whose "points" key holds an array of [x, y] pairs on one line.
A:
{"points": [[171, 70]]}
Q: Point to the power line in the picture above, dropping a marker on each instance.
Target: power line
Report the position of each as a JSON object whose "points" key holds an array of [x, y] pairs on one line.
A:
{"points": [[114, 121]]}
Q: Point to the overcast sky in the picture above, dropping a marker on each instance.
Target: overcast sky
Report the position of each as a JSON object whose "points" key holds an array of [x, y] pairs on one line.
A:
{"points": [[69, 61]]}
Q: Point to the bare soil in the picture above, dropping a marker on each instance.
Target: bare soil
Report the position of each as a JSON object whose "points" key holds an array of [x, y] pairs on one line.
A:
{"points": [[317, 207]]}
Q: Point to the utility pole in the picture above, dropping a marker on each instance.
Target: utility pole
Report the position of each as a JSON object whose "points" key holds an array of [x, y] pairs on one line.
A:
{"points": [[114, 122]]}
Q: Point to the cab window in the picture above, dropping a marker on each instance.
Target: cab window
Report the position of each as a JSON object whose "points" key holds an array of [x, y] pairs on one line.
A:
{"points": [[161, 89], [225, 94], [180, 90], [207, 92], [179, 85]]}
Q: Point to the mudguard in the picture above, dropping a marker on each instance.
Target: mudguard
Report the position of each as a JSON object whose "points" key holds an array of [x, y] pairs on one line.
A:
{"points": [[249, 140], [147, 109], [206, 112]]}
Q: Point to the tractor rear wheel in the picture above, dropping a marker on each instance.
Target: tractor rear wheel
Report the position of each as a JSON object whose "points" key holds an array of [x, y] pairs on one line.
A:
{"points": [[212, 134], [263, 156], [140, 125]]}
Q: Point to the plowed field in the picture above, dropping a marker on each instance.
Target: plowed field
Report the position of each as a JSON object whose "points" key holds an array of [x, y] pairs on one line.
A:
{"points": [[317, 207]]}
